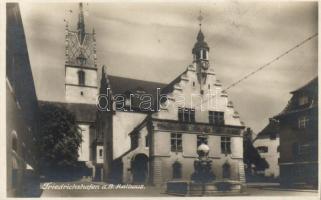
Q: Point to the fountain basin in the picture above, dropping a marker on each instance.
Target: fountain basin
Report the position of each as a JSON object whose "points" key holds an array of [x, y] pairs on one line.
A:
{"points": [[213, 188]]}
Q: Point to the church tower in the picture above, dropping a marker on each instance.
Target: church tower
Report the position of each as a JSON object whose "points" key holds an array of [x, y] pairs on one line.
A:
{"points": [[80, 65]]}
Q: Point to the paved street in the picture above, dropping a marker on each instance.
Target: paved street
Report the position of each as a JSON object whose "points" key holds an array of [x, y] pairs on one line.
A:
{"points": [[279, 192], [253, 190]]}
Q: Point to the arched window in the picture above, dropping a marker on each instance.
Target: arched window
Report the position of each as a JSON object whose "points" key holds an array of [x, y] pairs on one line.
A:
{"points": [[100, 153], [14, 140], [177, 170], [198, 56], [204, 54], [81, 77], [262, 149], [226, 170]]}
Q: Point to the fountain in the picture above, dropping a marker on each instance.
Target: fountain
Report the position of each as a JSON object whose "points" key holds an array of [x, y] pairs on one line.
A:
{"points": [[203, 181], [203, 175]]}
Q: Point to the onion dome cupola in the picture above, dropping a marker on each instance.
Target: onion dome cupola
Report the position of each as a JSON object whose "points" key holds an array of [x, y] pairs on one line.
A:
{"points": [[201, 49]]}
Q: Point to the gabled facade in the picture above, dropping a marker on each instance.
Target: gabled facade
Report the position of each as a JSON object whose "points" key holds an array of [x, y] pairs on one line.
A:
{"points": [[267, 144], [193, 109], [298, 125]]}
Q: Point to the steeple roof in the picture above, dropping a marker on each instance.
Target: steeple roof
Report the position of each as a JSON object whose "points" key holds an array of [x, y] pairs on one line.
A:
{"points": [[81, 24], [200, 36], [200, 43]]}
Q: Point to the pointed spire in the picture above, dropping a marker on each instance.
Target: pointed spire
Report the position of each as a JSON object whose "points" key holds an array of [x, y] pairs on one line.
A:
{"points": [[103, 71], [81, 24], [200, 35], [105, 103], [200, 19], [200, 43], [103, 80]]}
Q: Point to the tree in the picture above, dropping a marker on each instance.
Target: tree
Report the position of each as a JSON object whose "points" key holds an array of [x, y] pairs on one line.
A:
{"points": [[250, 154], [58, 140]]}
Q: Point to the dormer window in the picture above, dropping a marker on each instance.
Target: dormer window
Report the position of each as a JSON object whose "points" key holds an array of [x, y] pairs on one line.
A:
{"points": [[303, 100], [81, 77]]}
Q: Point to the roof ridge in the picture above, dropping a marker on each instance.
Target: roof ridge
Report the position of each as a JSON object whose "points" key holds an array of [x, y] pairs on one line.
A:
{"points": [[136, 79], [305, 85]]}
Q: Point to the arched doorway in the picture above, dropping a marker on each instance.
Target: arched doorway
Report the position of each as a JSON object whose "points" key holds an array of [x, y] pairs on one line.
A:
{"points": [[177, 170], [139, 166], [226, 171]]}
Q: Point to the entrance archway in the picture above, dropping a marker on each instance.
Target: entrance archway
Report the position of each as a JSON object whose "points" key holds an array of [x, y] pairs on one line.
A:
{"points": [[139, 166]]}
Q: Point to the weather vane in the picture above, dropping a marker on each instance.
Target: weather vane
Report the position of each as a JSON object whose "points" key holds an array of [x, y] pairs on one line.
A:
{"points": [[200, 18]]}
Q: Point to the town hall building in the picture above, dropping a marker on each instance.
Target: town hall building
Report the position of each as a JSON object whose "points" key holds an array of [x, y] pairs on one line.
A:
{"points": [[163, 145], [137, 131]]}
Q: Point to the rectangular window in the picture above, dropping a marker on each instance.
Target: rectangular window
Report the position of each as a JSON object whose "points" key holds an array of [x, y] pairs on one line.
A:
{"points": [[186, 114], [304, 149], [201, 139], [303, 122], [295, 150], [176, 142], [225, 145], [216, 118]]}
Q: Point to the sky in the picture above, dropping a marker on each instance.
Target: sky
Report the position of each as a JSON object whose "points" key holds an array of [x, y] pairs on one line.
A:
{"points": [[153, 41]]}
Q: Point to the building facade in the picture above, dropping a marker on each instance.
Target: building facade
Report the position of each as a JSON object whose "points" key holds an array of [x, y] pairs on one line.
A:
{"points": [[267, 144], [21, 108], [191, 110], [298, 125]]}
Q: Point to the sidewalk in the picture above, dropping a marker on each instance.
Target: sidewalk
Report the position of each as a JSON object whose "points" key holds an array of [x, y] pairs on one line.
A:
{"points": [[277, 187]]}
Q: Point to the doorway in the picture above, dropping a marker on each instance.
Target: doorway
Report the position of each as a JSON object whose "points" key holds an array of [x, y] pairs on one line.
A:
{"points": [[139, 167]]}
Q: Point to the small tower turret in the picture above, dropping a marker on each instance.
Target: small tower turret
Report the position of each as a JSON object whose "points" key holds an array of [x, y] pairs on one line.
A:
{"points": [[201, 56]]}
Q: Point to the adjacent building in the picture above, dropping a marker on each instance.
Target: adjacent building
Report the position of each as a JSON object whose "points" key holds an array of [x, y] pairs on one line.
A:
{"points": [[267, 144], [298, 130], [21, 108]]}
